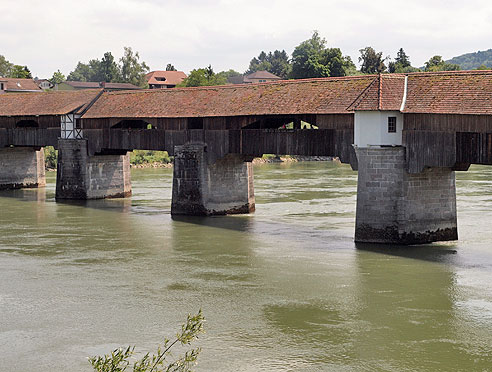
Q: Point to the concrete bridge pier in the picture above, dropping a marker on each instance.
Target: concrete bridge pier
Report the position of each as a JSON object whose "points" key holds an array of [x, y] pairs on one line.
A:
{"points": [[82, 177], [396, 207], [204, 185], [21, 167]]}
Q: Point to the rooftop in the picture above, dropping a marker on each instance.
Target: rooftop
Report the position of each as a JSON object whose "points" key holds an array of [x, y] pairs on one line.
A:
{"points": [[14, 85], [170, 77], [47, 103]]}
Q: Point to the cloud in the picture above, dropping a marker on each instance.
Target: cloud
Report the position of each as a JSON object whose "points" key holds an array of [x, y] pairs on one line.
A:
{"points": [[56, 34]]}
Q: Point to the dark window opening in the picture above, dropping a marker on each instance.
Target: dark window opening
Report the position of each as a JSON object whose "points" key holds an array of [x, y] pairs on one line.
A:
{"points": [[195, 123], [27, 124], [132, 124], [392, 124]]}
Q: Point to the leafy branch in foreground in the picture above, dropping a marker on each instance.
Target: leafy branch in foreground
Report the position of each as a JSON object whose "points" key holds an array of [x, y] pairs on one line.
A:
{"points": [[119, 359]]}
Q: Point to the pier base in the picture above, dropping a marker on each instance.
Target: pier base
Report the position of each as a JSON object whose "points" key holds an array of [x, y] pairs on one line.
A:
{"points": [[21, 167], [81, 177], [205, 186], [396, 207]]}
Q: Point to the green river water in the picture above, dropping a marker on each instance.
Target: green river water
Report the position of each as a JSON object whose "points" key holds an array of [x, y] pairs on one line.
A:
{"points": [[283, 289]]}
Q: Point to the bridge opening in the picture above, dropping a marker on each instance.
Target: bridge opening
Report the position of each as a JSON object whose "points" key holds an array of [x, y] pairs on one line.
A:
{"points": [[27, 124], [195, 123], [133, 124], [286, 123]]}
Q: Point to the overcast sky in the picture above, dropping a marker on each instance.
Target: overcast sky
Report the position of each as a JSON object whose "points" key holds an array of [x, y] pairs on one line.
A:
{"points": [[56, 34]]}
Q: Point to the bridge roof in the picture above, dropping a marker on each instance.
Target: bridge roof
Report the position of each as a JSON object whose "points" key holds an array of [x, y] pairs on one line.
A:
{"points": [[47, 103], [448, 92], [287, 97], [452, 92]]}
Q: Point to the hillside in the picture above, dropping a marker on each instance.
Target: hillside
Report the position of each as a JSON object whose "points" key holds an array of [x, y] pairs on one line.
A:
{"points": [[470, 61]]}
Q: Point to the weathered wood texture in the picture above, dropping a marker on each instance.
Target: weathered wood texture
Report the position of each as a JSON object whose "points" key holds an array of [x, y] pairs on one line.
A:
{"points": [[474, 148], [42, 121], [252, 142], [447, 122], [429, 149], [29, 137]]}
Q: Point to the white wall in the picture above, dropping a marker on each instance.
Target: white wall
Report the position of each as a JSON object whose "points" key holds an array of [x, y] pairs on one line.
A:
{"points": [[371, 128]]}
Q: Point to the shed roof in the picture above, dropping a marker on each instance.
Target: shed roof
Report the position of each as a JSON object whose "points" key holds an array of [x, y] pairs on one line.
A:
{"points": [[262, 75], [47, 103], [384, 93], [310, 96]]}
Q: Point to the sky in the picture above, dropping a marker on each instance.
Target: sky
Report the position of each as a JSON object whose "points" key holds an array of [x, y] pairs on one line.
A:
{"points": [[56, 34]]}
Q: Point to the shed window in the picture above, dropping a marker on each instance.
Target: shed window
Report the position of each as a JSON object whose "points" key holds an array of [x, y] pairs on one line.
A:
{"points": [[392, 124]]}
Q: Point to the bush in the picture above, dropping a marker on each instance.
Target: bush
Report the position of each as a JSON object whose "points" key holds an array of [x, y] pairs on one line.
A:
{"points": [[119, 359], [50, 157], [143, 157]]}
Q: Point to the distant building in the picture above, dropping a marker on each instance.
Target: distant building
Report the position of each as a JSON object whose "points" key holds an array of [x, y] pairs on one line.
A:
{"points": [[11, 85], [255, 77], [164, 79], [78, 85], [44, 84]]}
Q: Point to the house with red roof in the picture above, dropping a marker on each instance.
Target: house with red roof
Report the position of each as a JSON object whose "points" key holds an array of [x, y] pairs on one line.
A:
{"points": [[164, 79], [12, 85]]}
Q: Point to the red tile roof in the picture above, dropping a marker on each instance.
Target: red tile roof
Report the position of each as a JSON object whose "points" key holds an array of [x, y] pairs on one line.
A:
{"points": [[310, 96], [171, 77], [97, 85], [384, 93], [12, 84], [452, 92], [46, 103]]}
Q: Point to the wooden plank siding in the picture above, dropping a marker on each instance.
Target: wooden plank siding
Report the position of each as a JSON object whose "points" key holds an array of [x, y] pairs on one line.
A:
{"points": [[429, 149], [29, 137], [474, 148], [42, 121], [448, 122], [251, 142]]}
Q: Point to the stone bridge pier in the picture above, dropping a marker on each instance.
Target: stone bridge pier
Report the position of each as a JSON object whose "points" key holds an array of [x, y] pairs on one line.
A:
{"points": [[204, 184], [397, 207], [81, 176], [21, 167]]}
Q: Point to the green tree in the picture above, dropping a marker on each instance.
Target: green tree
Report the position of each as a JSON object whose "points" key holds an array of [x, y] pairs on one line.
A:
{"points": [[307, 59], [133, 71], [436, 63], [119, 359], [170, 67], [81, 73], [482, 67], [276, 63], [337, 64], [20, 72], [108, 69], [312, 59], [204, 77], [57, 77], [372, 61], [401, 64], [5, 67]]}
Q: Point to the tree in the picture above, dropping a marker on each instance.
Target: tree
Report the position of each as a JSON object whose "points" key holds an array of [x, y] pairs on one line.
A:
{"points": [[170, 67], [311, 59], [5, 67], [372, 61], [306, 59], [436, 63], [119, 359], [337, 64], [276, 63], [108, 69], [204, 77], [81, 73], [20, 72], [401, 64], [133, 71], [57, 77]]}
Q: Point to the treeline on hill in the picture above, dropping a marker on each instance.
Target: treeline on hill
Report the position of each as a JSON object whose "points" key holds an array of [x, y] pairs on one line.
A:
{"points": [[312, 58]]}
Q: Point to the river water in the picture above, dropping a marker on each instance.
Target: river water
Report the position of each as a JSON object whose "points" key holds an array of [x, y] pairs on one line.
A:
{"points": [[283, 289]]}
